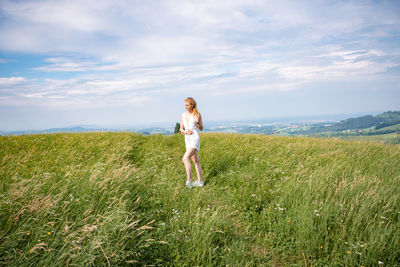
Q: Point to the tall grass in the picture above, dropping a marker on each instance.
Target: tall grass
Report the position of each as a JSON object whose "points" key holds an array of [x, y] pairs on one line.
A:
{"points": [[120, 199]]}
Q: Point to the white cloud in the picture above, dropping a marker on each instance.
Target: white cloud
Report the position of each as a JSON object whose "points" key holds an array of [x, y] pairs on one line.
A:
{"points": [[352, 54], [76, 15], [63, 64], [73, 93], [12, 80]]}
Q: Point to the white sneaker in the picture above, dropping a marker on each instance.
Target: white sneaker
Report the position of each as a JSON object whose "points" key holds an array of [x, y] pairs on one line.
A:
{"points": [[188, 184], [199, 184]]}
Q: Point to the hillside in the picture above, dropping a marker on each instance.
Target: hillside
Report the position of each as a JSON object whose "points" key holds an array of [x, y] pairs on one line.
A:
{"points": [[119, 199], [384, 127], [379, 121]]}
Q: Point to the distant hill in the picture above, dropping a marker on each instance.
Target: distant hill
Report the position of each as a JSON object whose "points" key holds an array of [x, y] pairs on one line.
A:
{"points": [[84, 129], [72, 129], [382, 120], [384, 123]]}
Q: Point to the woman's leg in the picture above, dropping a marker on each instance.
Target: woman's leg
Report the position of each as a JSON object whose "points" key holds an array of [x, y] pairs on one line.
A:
{"points": [[186, 160], [196, 161]]}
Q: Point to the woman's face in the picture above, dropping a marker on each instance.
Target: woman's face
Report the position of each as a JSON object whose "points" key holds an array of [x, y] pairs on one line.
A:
{"points": [[188, 106]]}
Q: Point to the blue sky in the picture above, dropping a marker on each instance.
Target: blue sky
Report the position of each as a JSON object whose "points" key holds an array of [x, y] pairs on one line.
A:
{"points": [[131, 62]]}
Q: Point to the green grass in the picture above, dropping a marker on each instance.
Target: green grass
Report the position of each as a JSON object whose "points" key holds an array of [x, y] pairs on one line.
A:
{"points": [[119, 199], [392, 138]]}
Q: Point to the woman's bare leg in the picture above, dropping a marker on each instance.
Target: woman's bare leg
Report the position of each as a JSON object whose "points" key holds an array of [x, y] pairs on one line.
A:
{"points": [[196, 161], [186, 160]]}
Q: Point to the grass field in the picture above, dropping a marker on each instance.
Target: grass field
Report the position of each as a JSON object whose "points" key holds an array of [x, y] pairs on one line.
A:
{"points": [[119, 199], [392, 138]]}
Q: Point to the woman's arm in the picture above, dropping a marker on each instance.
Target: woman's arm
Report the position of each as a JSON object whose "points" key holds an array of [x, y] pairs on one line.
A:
{"points": [[181, 127], [200, 122]]}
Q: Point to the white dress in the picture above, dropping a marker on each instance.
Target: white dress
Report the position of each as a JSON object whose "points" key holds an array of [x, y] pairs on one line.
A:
{"points": [[191, 140]]}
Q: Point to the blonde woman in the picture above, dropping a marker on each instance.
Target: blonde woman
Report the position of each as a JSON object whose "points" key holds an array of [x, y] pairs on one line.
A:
{"points": [[191, 123]]}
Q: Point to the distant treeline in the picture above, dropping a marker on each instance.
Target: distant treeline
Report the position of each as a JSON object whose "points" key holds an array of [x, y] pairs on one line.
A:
{"points": [[378, 122], [382, 120], [381, 132], [386, 124]]}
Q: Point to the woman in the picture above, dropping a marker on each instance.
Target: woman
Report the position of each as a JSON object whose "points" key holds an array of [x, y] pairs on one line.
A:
{"points": [[191, 123]]}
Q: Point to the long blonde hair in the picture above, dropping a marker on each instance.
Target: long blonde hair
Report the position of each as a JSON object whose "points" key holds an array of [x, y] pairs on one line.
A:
{"points": [[193, 103]]}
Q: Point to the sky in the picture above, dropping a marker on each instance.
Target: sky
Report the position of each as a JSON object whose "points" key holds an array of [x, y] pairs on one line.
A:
{"points": [[104, 62]]}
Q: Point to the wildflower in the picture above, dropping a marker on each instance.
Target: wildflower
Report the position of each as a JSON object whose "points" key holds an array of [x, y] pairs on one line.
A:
{"points": [[212, 229], [348, 252], [229, 250], [380, 263], [359, 253], [48, 233], [31, 251], [316, 211], [52, 224], [289, 221], [39, 240], [253, 195], [28, 233], [321, 246]]}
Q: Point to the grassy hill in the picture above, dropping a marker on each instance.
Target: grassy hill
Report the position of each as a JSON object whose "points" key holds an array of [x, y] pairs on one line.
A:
{"points": [[384, 127], [119, 199]]}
